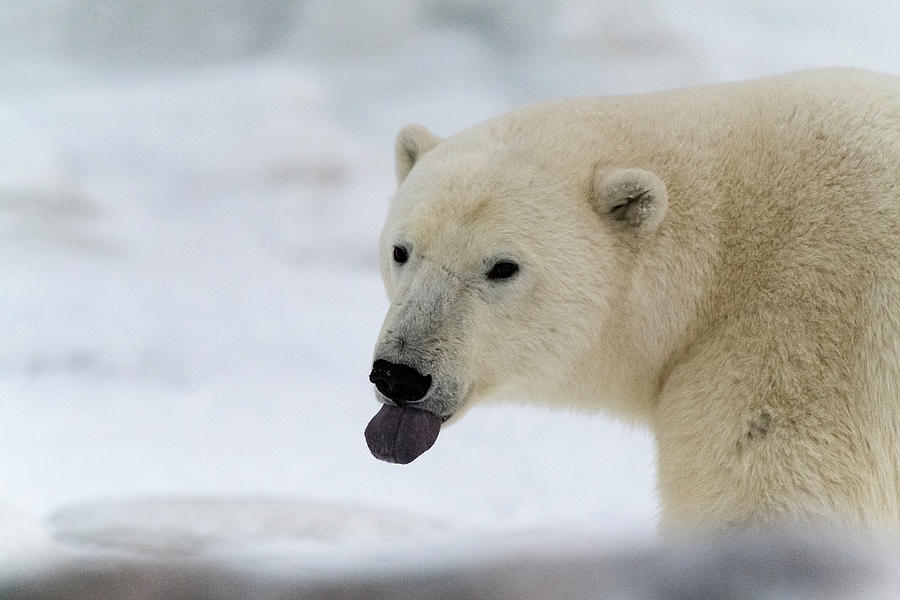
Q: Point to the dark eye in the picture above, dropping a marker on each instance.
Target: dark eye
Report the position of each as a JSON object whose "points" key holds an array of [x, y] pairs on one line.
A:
{"points": [[503, 270], [400, 255]]}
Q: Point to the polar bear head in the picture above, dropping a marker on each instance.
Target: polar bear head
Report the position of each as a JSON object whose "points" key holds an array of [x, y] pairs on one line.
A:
{"points": [[503, 262]]}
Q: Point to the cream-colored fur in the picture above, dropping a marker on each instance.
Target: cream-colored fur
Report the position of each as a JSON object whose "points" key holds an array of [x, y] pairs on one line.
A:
{"points": [[721, 263]]}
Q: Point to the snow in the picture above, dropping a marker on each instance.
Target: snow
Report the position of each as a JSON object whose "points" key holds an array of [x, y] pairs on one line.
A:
{"points": [[190, 199]]}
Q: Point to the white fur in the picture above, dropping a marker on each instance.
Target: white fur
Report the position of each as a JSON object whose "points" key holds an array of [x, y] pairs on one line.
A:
{"points": [[745, 305]]}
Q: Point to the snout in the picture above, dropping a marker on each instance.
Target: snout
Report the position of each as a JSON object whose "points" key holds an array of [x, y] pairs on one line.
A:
{"points": [[401, 384]]}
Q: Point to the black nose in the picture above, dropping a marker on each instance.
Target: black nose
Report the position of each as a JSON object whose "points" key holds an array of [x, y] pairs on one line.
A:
{"points": [[399, 383]]}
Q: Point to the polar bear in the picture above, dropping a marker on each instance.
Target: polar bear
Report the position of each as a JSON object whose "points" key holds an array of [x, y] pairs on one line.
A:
{"points": [[720, 263]]}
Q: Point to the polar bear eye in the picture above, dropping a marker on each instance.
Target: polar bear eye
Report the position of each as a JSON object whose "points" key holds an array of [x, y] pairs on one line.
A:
{"points": [[401, 255], [503, 270]]}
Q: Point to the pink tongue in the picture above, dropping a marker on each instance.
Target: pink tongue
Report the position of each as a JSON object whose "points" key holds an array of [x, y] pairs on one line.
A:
{"points": [[401, 435]]}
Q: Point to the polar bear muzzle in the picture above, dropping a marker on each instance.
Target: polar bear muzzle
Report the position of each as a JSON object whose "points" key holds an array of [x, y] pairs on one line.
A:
{"points": [[398, 383], [400, 434]]}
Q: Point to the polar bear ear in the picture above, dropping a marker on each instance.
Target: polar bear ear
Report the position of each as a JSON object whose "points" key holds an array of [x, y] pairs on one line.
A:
{"points": [[634, 197], [412, 142]]}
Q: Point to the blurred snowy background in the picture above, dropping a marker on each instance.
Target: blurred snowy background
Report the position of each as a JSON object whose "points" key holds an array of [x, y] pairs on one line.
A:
{"points": [[190, 198]]}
